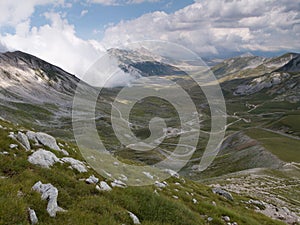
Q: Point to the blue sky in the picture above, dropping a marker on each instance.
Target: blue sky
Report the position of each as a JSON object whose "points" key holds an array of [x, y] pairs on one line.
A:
{"points": [[91, 20], [73, 34]]}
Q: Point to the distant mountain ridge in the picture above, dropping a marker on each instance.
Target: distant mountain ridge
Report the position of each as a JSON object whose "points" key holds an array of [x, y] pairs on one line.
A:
{"points": [[144, 63], [248, 65], [292, 66]]}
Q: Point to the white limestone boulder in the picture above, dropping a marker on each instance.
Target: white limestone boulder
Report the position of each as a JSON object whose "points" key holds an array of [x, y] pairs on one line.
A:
{"points": [[47, 140], [50, 193], [22, 138], [134, 218], [103, 186], [92, 180], [75, 164], [43, 158], [32, 216]]}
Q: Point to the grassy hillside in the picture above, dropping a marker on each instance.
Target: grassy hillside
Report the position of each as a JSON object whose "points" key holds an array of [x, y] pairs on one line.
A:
{"points": [[86, 205], [285, 148]]}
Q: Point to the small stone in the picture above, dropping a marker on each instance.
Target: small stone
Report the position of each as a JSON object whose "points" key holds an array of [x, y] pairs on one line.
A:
{"points": [[32, 216], [226, 218], [281, 217], [11, 135], [223, 193], [92, 180], [209, 219], [172, 173], [103, 186], [134, 218], [159, 184], [12, 146], [20, 194], [195, 201], [118, 183], [65, 152], [60, 145], [123, 177]]}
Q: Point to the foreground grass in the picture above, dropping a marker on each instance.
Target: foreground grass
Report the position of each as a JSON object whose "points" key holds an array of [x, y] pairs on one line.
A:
{"points": [[86, 205]]}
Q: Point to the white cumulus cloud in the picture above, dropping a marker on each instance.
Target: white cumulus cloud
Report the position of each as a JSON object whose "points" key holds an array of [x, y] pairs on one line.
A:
{"points": [[14, 12], [120, 2], [215, 27], [56, 43]]}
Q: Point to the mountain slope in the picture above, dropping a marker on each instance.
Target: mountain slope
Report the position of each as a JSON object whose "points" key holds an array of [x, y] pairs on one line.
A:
{"points": [[35, 92], [262, 130], [41, 81]]}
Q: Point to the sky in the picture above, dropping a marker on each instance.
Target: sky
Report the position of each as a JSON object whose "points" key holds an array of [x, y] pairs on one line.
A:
{"points": [[74, 34]]}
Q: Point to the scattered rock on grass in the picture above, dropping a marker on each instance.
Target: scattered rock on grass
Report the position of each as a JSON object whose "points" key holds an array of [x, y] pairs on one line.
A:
{"points": [[32, 216], [223, 193], [134, 218], [159, 184], [47, 140], [22, 138], [12, 146], [75, 164], [172, 173], [50, 193], [92, 180], [226, 218], [118, 183], [43, 158], [103, 186]]}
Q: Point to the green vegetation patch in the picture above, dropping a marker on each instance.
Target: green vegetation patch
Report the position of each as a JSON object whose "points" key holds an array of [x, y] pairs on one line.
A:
{"points": [[285, 148]]}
